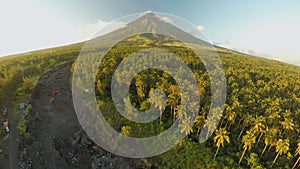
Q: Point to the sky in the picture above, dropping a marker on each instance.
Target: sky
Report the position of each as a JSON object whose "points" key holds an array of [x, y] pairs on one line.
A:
{"points": [[265, 28]]}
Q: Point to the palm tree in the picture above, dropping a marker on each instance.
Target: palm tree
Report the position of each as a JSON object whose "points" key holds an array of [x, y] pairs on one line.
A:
{"points": [[180, 112], [274, 118], [273, 141], [269, 139], [199, 121], [220, 138], [230, 116], [173, 99], [140, 86], [288, 124], [248, 140], [263, 129], [172, 102], [125, 130], [297, 152], [186, 126], [247, 120], [158, 101], [282, 147], [210, 124], [258, 123]]}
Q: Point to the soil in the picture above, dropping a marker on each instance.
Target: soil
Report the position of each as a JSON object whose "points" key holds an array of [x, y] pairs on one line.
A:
{"points": [[57, 140]]}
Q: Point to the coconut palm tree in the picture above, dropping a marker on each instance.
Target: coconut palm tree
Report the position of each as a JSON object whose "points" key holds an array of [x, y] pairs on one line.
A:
{"points": [[274, 118], [230, 116], [199, 121], [173, 99], [210, 124], [185, 126], [158, 100], [297, 152], [263, 129], [288, 124], [125, 130], [248, 140], [270, 137], [220, 138], [247, 120], [282, 147], [273, 142], [258, 124]]}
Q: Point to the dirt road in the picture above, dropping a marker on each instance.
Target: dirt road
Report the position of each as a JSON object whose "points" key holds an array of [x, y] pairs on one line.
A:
{"points": [[9, 158], [57, 139], [13, 143]]}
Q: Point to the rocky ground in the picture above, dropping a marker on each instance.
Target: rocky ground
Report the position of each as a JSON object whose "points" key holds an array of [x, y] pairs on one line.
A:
{"points": [[57, 140]]}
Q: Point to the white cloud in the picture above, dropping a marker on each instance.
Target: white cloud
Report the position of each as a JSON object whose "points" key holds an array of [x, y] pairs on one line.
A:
{"points": [[166, 19], [100, 28], [197, 32], [200, 28]]}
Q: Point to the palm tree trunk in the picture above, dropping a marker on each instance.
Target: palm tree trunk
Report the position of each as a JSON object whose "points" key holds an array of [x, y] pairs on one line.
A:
{"points": [[160, 116], [239, 123], [261, 134], [207, 134], [296, 163], [242, 155], [270, 148], [230, 125], [226, 124], [276, 158], [263, 150], [241, 133], [172, 117], [216, 153], [198, 132], [221, 123]]}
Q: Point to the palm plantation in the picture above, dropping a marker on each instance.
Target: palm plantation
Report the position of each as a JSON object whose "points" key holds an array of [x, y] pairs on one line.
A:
{"points": [[297, 153], [248, 141], [269, 138], [282, 147], [262, 106], [220, 138], [185, 126]]}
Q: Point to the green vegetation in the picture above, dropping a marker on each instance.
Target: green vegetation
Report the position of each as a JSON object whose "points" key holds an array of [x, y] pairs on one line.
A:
{"points": [[23, 123], [20, 73], [260, 123], [259, 127], [18, 69]]}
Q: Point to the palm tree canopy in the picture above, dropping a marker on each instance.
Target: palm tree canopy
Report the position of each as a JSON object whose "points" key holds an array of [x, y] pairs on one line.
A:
{"points": [[249, 139], [282, 146], [288, 124], [297, 152], [221, 137]]}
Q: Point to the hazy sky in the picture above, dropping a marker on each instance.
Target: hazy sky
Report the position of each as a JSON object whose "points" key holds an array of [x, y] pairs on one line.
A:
{"points": [[269, 28]]}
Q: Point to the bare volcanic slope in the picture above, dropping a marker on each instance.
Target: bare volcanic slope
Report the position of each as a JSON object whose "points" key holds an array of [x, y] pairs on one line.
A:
{"points": [[57, 139]]}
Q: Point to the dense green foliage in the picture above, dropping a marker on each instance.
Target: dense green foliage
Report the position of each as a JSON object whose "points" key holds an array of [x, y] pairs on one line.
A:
{"points": [[260, 123], [19, 74], [16, 69], [259, 127]]}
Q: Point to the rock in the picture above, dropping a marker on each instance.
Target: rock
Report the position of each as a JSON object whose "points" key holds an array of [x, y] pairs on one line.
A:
{"points": [[22, 105], [84, 140]]}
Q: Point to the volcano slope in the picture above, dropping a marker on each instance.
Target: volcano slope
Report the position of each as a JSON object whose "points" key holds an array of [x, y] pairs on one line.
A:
{"points": [[263, 103], [57, 139]]}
